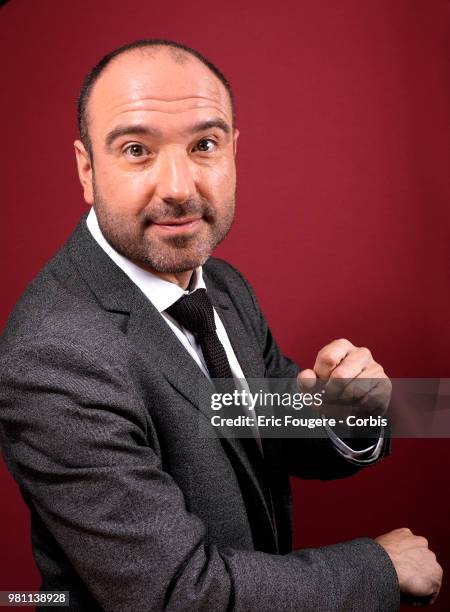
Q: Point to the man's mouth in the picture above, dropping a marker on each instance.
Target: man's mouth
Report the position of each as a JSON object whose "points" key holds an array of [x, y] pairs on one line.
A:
{"points": [[178, 225]]}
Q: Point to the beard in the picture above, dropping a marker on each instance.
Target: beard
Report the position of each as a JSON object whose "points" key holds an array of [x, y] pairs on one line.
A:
{"points": [[133, 237]]}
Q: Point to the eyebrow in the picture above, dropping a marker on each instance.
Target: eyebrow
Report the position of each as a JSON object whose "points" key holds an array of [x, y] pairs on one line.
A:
{"points": [[207, 125], [129, 130], [145, 130]]}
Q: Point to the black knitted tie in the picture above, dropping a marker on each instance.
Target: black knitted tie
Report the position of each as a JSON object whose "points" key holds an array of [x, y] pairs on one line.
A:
{"points": [[195, 312]]}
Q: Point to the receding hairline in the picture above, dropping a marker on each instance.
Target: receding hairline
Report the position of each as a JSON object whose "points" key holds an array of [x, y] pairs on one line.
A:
{"points": [[180, 56], [177, 54]]}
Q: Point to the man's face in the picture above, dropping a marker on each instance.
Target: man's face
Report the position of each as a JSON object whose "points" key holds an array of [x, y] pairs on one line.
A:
{"points": [[162, 177]]}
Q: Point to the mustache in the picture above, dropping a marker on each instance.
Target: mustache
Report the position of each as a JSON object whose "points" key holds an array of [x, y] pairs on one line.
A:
{"points": [[176, 210]]}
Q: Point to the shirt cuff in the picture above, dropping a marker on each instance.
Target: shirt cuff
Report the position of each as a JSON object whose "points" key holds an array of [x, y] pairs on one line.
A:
{"points": [[365, 455]]}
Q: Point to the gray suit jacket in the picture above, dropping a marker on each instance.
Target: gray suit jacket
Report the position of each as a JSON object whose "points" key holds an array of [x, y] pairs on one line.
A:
{"points": [[130, 508]]}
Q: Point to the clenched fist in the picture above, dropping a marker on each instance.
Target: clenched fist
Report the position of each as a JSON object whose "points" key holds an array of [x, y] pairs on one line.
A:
{"points": [[352, 376], [419, 574]]}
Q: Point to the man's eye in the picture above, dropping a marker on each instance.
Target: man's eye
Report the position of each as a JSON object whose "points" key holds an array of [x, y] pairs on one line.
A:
{"points": [[135, 150], [206, 145]]}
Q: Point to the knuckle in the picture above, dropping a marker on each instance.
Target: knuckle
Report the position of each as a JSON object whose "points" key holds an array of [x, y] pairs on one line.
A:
{"points": [[421, 541], [365, 351], [326, 357]]}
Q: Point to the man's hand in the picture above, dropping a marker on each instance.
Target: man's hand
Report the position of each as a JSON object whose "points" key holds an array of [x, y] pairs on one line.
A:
{"points": [[351, 375], [419, 574]]}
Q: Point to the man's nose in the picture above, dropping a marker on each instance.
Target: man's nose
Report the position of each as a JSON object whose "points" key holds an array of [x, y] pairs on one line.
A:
{"points": [[174, 177]]}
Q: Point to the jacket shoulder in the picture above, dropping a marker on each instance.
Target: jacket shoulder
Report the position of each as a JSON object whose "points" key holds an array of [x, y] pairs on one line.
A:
{"points": [[228, 278], [56, 303]]}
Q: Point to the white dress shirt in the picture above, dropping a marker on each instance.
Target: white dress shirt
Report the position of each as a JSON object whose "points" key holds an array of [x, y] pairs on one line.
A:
{"points": [[163, 294]]}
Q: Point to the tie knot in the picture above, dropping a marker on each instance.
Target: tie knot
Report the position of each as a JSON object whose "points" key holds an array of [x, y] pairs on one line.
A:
{"points": [[194, 312]]}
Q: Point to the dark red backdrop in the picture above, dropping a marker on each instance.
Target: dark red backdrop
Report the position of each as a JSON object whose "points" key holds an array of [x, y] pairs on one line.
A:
{"points": [[343, 200]]}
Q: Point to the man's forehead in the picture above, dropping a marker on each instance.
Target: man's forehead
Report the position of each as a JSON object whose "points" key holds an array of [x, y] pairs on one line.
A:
{"points": [[161, 81]]}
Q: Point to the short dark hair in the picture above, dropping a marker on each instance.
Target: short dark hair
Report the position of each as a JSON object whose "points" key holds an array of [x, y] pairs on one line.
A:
{"points": [[96, 71]]}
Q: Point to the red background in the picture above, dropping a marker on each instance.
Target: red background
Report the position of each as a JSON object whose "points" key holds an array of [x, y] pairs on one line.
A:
{"points": [[343, 202]]}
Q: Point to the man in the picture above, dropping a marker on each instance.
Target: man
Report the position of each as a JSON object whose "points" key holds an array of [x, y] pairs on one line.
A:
{"points": [[103, 357]]}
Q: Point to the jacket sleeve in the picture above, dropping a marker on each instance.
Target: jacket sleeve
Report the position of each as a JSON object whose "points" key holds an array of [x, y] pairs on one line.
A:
{"points": [[93, 472]]}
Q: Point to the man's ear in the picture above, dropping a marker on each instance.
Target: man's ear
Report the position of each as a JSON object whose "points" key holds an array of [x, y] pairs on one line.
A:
{"points": [[235, 137], [84, 171]]}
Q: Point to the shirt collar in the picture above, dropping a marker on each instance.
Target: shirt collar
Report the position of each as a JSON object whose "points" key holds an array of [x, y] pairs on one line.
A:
{"points": [[161, 293]]}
